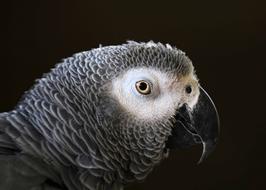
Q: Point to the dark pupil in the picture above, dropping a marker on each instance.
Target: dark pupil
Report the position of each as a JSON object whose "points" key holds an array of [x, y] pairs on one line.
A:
{"points": [[188, 89], [142, 86]]}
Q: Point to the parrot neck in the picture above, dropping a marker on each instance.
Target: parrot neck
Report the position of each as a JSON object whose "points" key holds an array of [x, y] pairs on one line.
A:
{"points": [[108, 163]]}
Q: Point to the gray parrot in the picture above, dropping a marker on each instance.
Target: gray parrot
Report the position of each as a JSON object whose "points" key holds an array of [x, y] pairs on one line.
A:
{"points": [[104, 118]]}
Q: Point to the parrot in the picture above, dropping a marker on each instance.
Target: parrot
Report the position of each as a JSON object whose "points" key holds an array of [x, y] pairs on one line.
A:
{"points": [[104, 118]]}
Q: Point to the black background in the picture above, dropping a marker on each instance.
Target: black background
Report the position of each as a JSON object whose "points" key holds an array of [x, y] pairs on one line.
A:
{"points": [[225, 40]]}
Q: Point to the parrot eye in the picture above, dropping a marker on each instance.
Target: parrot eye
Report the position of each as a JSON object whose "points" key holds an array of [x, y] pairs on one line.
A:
{"points": [[143, 87], [188, 89]]}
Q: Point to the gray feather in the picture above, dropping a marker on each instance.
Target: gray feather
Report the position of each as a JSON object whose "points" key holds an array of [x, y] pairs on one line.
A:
{"points": [[75, 134]]}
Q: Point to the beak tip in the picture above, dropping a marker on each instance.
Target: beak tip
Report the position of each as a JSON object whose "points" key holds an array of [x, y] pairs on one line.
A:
{"points": [[207, 148]]}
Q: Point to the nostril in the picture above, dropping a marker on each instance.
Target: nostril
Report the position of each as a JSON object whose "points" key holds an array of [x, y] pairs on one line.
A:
{"points": [[188, 89]]}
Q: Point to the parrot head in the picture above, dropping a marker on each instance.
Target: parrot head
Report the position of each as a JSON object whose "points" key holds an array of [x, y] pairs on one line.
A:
{"points": [[118, 110], [151, 103]]}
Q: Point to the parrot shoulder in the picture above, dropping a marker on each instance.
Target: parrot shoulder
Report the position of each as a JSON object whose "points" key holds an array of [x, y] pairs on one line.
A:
{"points": [[7, 145], [19, 170]]}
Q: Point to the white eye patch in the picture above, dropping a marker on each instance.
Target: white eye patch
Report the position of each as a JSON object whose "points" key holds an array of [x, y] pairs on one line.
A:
{"points": [[161, 102]]}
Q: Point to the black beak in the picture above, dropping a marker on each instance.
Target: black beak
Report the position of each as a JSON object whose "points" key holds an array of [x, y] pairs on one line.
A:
{"points": [[197, 126]]}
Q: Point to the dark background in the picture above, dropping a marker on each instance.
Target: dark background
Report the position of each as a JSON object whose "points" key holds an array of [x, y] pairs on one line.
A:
{"points": [[225, 40]]}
